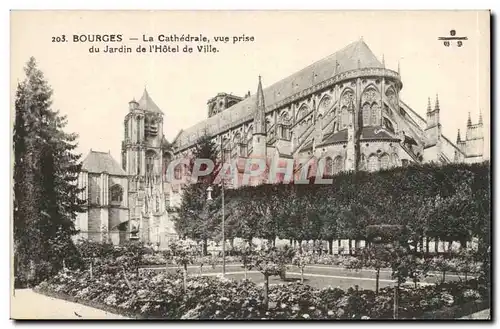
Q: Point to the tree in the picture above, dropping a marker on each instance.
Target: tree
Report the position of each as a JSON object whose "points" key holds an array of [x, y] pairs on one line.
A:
{"points": [[301, 260], [271, 261], [46, 196], [196, 218], [182, 255], [376, 256]]}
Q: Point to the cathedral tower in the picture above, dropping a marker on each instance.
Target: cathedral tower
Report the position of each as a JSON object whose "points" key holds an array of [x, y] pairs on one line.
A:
{"points": [[142, 161]]}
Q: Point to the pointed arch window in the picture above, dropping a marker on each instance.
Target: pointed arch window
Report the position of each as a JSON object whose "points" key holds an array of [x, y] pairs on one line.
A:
{"points": [[138, 131], [301, 113], [344, 118], [375, 110], [366, 114], [338, 165], [395, 160], [384, 162], [126, 129], [373, 163], [150, 160], [319, 120], [328, 167], [362, 163], [116, 192], [178, 172], [310, 172]]}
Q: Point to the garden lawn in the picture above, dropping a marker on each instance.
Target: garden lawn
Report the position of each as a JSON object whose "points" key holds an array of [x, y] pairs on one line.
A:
{"points": [[318, 276]]}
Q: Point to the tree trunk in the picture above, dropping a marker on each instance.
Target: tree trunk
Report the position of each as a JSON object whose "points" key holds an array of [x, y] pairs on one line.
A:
{"points": [[283, 274], [91, 269], [377, 279], [291, 242], [246, 273], [201, 269], [184, 277], [350, 247], [205, 252], [231, 243], [444, 276], [427, 241], [266, 291], [300, 246], [330, 247], [339, 245], [463, 244], [436, 245], [396, 301], [302, 275]]}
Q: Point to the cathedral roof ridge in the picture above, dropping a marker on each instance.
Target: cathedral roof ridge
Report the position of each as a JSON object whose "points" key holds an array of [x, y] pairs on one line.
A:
{"points": [[323, 69], [99, 162]]}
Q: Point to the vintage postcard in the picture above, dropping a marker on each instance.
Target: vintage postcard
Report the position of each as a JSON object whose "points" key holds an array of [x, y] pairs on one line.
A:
{"points": [[233, 165]]}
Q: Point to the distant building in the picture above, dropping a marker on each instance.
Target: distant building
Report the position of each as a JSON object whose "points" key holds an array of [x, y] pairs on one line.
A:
{"points": [[344, 109]]}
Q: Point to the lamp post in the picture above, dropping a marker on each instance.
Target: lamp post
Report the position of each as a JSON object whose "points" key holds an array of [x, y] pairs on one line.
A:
{"points": [[209, 198]]}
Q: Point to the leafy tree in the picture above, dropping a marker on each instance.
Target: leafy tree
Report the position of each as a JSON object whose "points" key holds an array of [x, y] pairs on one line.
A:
{"points": [[271, 261], [376, 256], [182, 255]]}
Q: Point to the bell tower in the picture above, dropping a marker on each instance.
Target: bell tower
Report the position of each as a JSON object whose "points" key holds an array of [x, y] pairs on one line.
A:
{"points": [[142, 161]]}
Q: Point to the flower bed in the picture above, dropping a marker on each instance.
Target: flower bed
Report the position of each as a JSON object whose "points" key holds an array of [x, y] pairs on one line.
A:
{"points": [[160, 295]]}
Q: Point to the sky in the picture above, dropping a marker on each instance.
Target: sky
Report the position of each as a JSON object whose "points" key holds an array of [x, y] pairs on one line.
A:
{"points": [[93, 90]]}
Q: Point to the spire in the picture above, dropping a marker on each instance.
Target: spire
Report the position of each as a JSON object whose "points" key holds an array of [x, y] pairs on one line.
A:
{"points": [[469, 121], [260, 111], [260, 95], [436, 107], [399, 68], [429, 109], [383, 60], [336, 66], [458, 136], [480, 118], [147, 104], [359, 64]]}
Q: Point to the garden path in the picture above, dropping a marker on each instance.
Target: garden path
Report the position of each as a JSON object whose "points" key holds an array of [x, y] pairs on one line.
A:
{"points": [[27, 304]]}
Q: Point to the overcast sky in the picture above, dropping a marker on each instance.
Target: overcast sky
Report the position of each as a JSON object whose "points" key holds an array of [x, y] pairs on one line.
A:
{"points": [[94, 89]]}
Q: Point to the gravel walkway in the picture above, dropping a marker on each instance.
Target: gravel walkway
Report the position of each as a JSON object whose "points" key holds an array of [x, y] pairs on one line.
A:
{"points": [[27, 304]]}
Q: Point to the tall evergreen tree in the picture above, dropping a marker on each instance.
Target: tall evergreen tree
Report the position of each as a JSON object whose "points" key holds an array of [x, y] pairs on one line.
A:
{"points": [[46, 195], [196, 218]]}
